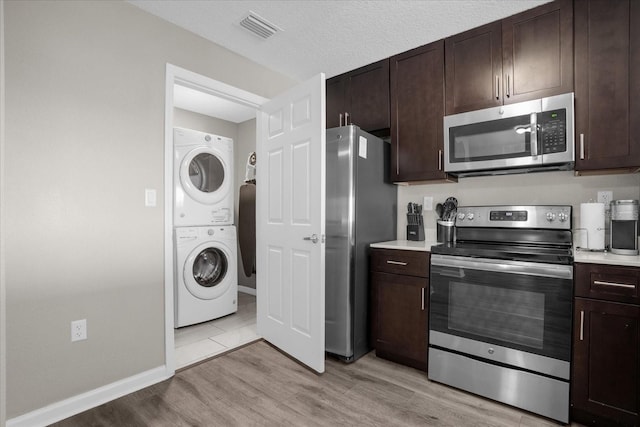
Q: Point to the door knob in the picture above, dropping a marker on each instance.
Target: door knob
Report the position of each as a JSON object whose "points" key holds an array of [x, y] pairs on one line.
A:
{"points": [[313, 238]]}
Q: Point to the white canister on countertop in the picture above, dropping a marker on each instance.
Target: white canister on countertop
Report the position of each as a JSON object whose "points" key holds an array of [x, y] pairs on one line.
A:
{"points": [[592, 226]]}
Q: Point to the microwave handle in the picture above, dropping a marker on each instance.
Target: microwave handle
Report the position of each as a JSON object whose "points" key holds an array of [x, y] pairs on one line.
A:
{"points": [[534, 135]]}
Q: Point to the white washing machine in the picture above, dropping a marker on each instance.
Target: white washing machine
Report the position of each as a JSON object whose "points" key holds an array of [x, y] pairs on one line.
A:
{"points": [[203, 178], [206, 277]]}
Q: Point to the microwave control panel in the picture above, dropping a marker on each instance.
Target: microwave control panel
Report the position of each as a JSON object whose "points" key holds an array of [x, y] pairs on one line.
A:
{"points": [[553, 131]]}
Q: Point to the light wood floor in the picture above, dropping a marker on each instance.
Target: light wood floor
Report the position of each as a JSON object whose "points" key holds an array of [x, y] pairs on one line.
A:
{"points": [[257, 385]]}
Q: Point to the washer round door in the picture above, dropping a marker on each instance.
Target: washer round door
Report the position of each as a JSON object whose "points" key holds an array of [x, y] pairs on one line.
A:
{"points": [[205, 271], [205, 175]]}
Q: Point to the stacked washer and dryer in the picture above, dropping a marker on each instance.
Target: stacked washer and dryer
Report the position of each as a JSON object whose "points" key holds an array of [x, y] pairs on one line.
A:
{"points": [[205, 248]]}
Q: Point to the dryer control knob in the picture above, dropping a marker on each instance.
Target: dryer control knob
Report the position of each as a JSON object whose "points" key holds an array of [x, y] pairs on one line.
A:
{"points": [[210, 232]]}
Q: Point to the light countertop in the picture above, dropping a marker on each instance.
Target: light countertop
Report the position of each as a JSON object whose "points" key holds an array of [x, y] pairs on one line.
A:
{"points": [[605, 258], [406, 245], [578, 255]]}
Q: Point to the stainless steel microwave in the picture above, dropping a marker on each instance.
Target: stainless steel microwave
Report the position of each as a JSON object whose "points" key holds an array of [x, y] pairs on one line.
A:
{"points": [[527, 136]]}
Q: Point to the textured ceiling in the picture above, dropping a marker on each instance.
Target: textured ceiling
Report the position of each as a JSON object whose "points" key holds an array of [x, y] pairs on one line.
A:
{"points": [[330, 36]]}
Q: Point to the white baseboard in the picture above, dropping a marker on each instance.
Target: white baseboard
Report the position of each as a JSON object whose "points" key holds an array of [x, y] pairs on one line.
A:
{"points": [[247, 290], [80, 403]]}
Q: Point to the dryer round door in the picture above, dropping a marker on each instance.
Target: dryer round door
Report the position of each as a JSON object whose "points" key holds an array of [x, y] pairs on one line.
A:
{"points": [[205, 175], [205, 271]]}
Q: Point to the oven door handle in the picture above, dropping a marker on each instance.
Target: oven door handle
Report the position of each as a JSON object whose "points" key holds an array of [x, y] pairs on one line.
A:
{"points": [[504, 266]]}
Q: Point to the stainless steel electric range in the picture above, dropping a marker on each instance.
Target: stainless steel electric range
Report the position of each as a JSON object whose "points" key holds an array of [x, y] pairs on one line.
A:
{"points": [[501, 306]]}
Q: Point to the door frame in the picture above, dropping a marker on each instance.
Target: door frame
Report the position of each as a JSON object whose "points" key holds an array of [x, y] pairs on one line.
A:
{"points": [[184, 77], [3, 299]]}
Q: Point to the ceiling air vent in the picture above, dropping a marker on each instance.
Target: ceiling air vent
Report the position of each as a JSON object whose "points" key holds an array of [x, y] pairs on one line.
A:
{"points": [[259, 26]]}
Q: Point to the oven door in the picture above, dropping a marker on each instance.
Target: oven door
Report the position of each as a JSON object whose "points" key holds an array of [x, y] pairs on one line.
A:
{"points": [[508, 312]]}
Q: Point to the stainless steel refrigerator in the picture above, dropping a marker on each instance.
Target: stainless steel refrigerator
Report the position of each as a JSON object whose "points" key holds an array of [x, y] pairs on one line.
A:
{"points": [[361, 209]]}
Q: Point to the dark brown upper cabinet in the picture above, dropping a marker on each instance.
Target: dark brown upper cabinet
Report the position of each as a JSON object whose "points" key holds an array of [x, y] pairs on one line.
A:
{"points": [[417, 110], [523, 57], [607, 79], [360, 97]]}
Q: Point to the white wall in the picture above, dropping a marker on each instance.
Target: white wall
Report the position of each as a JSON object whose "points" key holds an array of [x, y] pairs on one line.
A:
{"points": [[3, 299], [554, 188], [84, 138]]}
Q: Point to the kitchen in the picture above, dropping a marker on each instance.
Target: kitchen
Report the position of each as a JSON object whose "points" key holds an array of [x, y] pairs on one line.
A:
{"points": [[108, 193]]}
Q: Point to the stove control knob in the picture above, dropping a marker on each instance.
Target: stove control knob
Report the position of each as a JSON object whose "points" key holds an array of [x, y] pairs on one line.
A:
{"points": [[470, 216], [551, 216], [461, 216], [563, 217]]}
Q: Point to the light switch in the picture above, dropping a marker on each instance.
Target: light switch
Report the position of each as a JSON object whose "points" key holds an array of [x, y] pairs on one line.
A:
{"points": [[150, 199]]}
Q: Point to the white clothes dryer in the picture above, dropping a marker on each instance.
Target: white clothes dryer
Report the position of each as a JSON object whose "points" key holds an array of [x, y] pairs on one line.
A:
{"points": [[203, 179], [206, 274]]}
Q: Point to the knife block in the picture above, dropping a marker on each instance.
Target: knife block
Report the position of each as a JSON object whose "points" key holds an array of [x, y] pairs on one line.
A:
{"points": [[415, 232], [415, 227]]}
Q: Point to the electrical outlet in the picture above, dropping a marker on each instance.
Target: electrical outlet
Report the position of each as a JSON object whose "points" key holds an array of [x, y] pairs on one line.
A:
{"points": [[427, 204], [605, 197], [79, 330]]}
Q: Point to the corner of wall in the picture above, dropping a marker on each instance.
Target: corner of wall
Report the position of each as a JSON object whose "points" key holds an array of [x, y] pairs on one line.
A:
{"points": [[3, 358]]}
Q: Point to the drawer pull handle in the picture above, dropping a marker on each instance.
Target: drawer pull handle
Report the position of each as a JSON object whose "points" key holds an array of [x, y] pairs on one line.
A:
{"points": [[581, 325], [396, 262], [422, 299], [617, 285]]}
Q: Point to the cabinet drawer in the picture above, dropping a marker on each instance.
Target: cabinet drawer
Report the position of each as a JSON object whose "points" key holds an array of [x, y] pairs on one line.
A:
{"points": [[409, 263], [607, 282]]}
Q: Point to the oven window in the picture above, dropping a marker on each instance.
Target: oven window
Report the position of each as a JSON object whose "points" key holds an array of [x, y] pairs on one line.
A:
{"points": [[509, 315], [519, 311]]}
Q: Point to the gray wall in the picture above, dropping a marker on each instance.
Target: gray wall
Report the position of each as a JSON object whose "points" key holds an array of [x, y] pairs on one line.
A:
{"points": [[559, 188], [84, 138]]}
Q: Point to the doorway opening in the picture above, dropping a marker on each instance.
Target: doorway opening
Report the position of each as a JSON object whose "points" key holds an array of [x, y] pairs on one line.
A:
{"points": [[193, 101]]}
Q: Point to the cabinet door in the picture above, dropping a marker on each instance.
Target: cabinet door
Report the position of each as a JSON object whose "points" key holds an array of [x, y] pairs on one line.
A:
{"points": [[360, 97], [401, 304], [606, 363], [474, 69], [368, 97], [537, 52], [336, 102], [607, 80], [417, 109]]}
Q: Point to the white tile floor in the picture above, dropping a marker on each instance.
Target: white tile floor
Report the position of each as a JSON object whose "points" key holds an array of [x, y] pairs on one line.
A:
{"points": [[204, 340]]}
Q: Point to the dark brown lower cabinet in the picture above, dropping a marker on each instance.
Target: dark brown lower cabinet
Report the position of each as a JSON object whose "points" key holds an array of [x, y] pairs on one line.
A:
{"points": [[400, 307], [606, 363]]}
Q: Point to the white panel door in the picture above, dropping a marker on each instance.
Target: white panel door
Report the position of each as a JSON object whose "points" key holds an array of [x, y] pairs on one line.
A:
{"points": [[290, 222]]}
